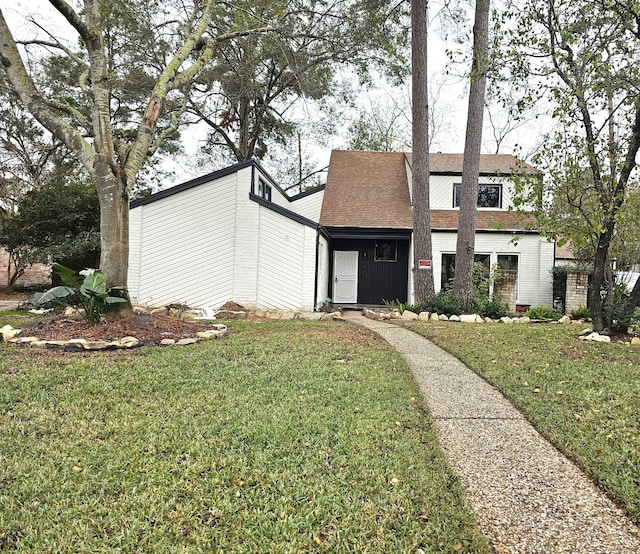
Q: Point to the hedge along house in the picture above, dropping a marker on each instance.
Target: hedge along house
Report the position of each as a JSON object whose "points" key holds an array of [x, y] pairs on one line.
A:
{"points": [[235, 235]]}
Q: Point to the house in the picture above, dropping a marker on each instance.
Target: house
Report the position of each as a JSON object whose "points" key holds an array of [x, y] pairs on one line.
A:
{"points": [[235, 235], [367, 213]]}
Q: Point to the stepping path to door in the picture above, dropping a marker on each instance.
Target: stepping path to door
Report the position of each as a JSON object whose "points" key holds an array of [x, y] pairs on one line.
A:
{"points": [[526, 496]]}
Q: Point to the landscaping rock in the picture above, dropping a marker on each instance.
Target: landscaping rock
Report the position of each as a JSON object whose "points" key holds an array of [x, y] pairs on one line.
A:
{"points": [[408, 315], [454, 318], [330, 316], [127, 342], [229, 314], [424, 316], [434, 317], [213, 334], [167, 342], [443, 317], [311, 316], [595, 337], [186, 342], [506, 319], [564, 319], [524, 319], [96, 345], [23, 340], [468, 318], [9, 333], [50, 344], [635, 340]]}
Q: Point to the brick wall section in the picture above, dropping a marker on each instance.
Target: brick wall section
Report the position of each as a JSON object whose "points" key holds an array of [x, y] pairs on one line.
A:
{"points": [[35, 276], [577, 287]]}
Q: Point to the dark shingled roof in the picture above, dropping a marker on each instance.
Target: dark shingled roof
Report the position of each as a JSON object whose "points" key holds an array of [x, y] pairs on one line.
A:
{"points": [[370, 190], [367, 189]]}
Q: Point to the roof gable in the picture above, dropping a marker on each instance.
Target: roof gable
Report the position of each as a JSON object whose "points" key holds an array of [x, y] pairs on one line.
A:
{"points": [[367, 189]]}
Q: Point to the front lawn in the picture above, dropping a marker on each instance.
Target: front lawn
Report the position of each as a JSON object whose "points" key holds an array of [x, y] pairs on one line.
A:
{"points": [[584, 396], [285, 437]]}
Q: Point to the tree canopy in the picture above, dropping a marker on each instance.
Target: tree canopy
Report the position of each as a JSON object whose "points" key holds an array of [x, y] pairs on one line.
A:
{"points": [[582, 59], [248, 94]]}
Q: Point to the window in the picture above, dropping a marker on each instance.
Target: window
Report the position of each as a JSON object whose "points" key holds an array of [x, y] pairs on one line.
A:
{"points": [[386, 251], [508, 262], [449, 267], [489, 196], [264, 190]]}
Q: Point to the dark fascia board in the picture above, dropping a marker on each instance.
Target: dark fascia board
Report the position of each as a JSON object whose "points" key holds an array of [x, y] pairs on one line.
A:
{"points": [[284, 211], [307, 192], [502, 231], [207, 179], [191, 184], [368, 233], [488, 174], [481, 174]]}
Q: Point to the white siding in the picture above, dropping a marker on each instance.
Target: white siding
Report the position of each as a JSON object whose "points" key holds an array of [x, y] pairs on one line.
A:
{"points": [[323, 271], [135, 251], [441, 190], [245, 267], [309, 206], [286, 263], [535, 261], [187, 249]]}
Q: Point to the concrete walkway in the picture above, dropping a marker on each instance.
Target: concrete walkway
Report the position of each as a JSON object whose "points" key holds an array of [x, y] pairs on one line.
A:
{"points": [[527, 497], [9, 304]]}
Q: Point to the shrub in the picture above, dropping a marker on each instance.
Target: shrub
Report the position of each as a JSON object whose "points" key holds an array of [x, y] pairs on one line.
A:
{"points": [[541, 312], [444, 302], [87, 288], [495, 308], [581, 313]]}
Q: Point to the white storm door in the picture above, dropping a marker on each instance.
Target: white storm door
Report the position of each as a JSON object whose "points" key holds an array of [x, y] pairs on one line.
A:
{"points": [[345, 277]]}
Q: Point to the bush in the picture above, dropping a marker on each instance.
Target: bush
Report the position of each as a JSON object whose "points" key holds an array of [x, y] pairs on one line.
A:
{"points": [[495, 308], [444, 302], [541, 312], [581, 313]]}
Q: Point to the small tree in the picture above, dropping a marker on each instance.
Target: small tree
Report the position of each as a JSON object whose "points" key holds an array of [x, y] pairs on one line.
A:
{"points": [[582, 58], [59, 221]]}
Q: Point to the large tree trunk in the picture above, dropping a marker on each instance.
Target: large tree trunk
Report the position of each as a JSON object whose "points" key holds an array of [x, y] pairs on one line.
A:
{"points": [[465, 247], [114, 229], [422, 250], [597, 279]]}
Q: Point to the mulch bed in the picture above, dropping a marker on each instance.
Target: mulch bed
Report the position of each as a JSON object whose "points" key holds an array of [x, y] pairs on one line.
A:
{"points": [[148, 329]]}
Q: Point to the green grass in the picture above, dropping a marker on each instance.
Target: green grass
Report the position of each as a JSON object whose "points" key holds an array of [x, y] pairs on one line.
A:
{"points": [[16, 318], [583, 396], [285, 437]]}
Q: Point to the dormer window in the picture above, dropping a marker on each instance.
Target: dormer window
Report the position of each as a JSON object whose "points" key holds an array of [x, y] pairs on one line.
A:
{"points": [[264, 190], [489, 196]]}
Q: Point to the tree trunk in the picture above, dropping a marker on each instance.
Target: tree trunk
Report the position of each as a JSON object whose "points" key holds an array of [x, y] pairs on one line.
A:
{"points": [[422, 250], [114, 231], [600, 261], [465, 247]]}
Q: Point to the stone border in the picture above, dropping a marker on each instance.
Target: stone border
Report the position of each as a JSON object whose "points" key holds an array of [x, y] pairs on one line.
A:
{"points": [[11, 336], [586, 334]]}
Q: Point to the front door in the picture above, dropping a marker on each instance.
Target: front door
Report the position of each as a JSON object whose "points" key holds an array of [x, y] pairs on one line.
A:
{"points": [[345, 277]]}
